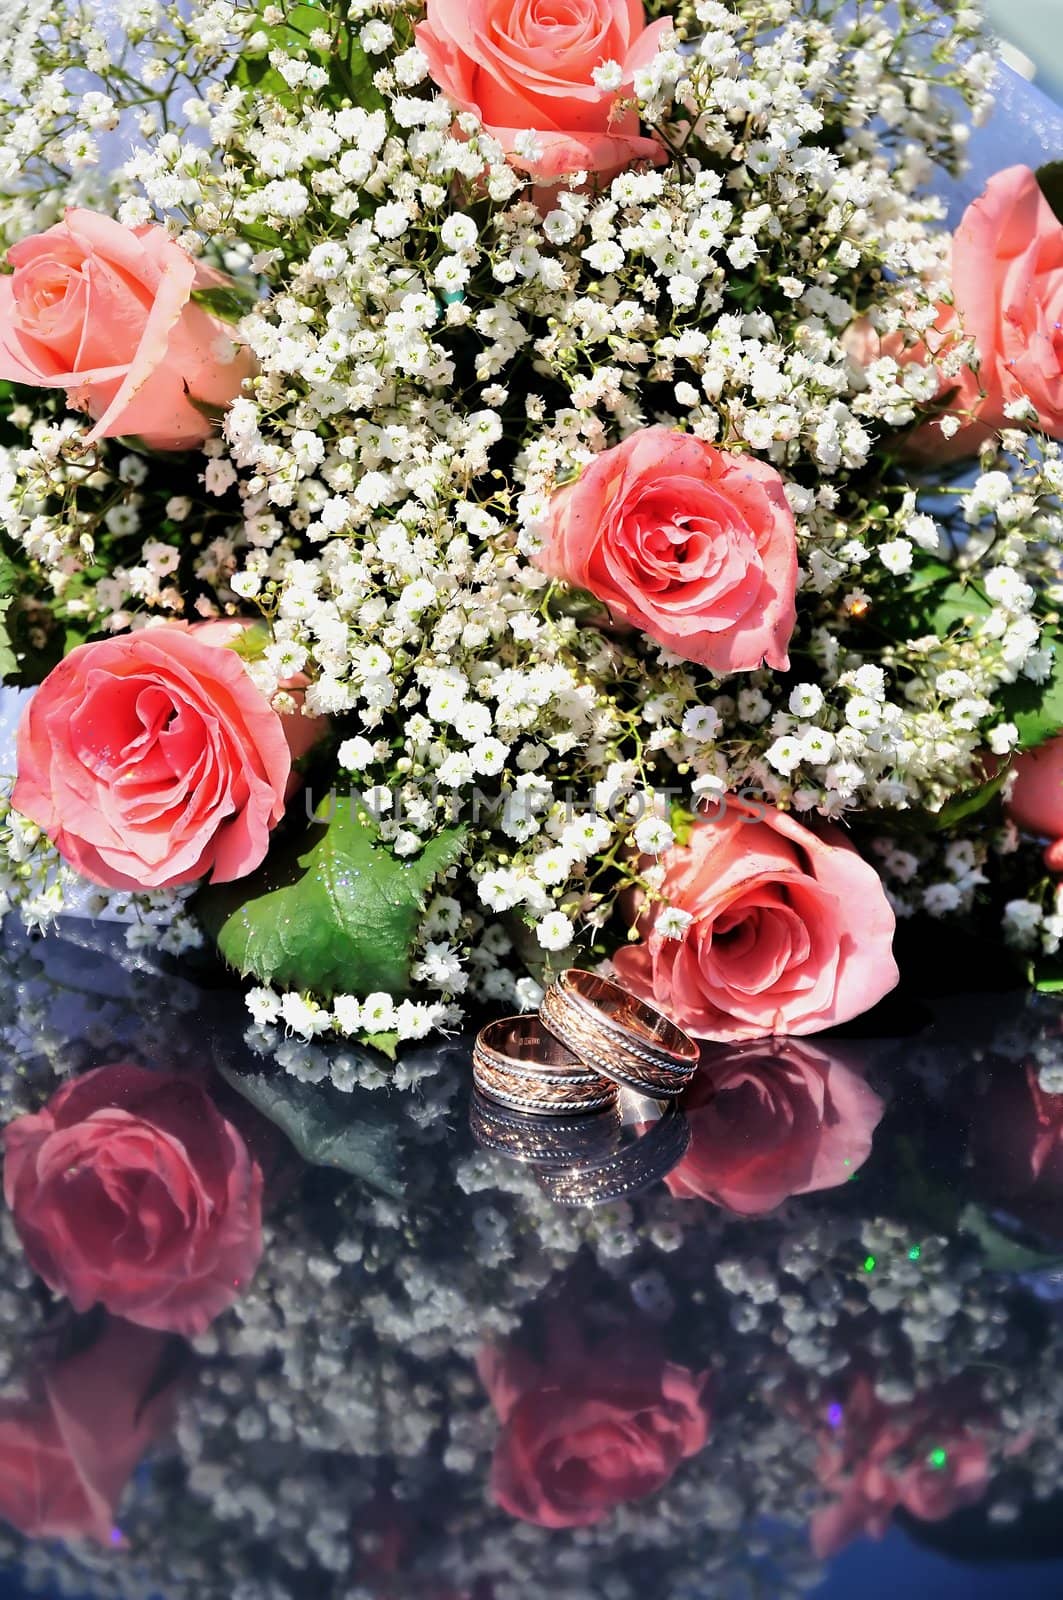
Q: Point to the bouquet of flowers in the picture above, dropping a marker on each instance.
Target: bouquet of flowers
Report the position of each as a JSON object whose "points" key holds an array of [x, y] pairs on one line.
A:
{"points": [[494, 485]]}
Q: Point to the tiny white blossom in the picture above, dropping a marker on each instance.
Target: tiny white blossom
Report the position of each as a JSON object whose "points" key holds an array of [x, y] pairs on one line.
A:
{"points": [[555, 931]]}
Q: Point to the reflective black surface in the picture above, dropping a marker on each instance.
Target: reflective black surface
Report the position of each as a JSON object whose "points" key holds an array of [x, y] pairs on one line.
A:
{"points": [[702, 1355]]}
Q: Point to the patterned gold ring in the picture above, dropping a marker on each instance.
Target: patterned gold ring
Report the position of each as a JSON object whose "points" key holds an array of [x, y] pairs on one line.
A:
{"points": [[520, 1064], [619, 1036]]}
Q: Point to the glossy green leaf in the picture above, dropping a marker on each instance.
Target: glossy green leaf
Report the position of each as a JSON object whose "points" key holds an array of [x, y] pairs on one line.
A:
{"points": [[957, 603], [970, 804], [227, 302], [8, 590], [1037, 708], [333, 911], [386, 1043], [350, 74], [348, 1131]]}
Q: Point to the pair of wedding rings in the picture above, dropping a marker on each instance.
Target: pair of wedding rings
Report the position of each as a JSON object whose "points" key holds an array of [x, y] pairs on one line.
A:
{"points": [[590, 1039]]}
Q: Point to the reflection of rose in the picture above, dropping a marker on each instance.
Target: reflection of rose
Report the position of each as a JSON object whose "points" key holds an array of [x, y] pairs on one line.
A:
{"points": [[921, 1457], [1016, 1140], [771, 1121], [583, 1432], [67, 1452], [130, 1189]]}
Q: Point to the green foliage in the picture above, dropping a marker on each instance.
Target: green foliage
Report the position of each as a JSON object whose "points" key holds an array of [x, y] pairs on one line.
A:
{"points": [[1045, 974], [351, 1132], [349, 71], [333, 911], [964, 806], [8, 589], [228, 302], [932, 601], [1037, 708], [682, 821], [386, 1043], [935, 602], [251, 644]]}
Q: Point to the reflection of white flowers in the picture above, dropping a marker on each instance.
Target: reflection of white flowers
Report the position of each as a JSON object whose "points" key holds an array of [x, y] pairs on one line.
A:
{"points": [[349, 1363]]}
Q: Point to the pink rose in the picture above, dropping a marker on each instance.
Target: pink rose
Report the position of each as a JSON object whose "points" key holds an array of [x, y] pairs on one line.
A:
{"points": [[523, 65], [769, 1123], [1007, 277], [131, 1190], [584, 1431], [1035, 803], [790, 930], [692, 545], [922, 1457], [153, 758], [1007, 285], [1016, 1144], [105, 312], [939, 348], [69, 1449]]}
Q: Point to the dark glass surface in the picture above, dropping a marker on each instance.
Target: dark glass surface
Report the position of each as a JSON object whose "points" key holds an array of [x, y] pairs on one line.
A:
{"points": [[802, 1340]]}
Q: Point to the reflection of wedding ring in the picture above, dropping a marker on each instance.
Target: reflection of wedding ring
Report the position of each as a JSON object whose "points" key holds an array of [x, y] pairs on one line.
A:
{"points": [[618, 1035], [541, 1141], [629, 1170], [521, 1065]]}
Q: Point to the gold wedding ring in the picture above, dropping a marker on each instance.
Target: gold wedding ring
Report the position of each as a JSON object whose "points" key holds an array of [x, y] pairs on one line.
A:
{"points": [[618, 1036], [520, 1064]]}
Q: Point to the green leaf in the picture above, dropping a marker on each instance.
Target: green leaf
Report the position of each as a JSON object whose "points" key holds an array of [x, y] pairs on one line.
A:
{"points": [[969, 804], [924, 577], [1050, 178], [1037, 708], [932, 601], [252, 643], [957, 603], [1045, 974], [8, 590], [228, 302], [348, 66], [682, 821], [386, 1043], [327, 1128], [334, 911]]}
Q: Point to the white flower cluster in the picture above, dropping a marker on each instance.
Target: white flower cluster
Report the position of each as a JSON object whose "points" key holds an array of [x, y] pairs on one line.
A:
{"points": [[439, 349]]}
